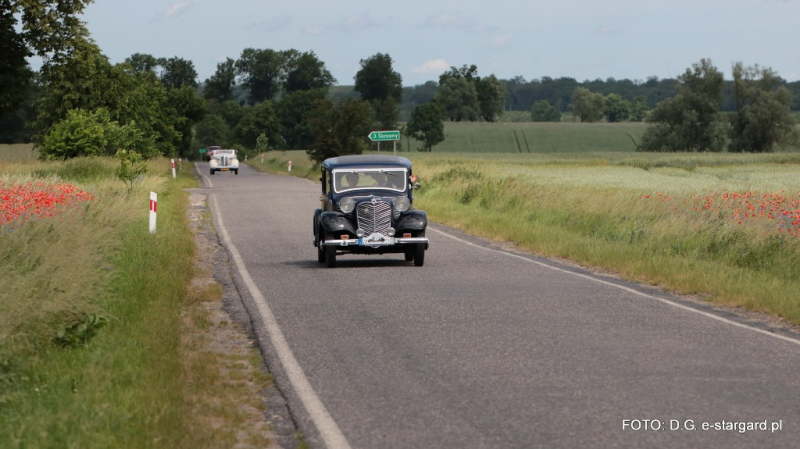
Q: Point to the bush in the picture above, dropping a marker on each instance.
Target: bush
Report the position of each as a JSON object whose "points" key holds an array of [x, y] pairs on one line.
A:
{"points": [[85, 133], [543, 111]]}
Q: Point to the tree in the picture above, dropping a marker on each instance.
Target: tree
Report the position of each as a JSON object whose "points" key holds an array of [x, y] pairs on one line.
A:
{"points": [[258, 119], [690, 121], [15, 75], [213, 130], [220, 85], [376, 80], [260, 72], [763, 117], [491, 97], [639, 108], [84, 133], [470, 73], [617, 109], [189, 110], [51, 27], [588, 106], [294, 113], [426, 124], [543, 111], [386, 113], [459, 98], [307, 72], [339, 129], [178, 72], [142, 63]]}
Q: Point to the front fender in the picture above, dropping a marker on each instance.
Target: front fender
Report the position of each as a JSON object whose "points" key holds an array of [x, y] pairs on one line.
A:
{"points": [[336, 222], [413, 220]]}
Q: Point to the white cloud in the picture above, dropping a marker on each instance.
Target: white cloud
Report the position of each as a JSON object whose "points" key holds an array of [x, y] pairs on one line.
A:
{"points": [[433, 66], [174, 11], [608, 31], [359, 22], [271, 24], [456, 21], [500, 40], [314, 30]]}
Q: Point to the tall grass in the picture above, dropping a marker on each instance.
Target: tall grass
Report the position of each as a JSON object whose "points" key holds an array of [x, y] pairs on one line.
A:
{"points": [[125, 386]]}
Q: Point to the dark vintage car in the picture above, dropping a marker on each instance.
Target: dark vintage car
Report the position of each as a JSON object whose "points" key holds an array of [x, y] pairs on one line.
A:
{"points": [[366, 208], [210, 152]]}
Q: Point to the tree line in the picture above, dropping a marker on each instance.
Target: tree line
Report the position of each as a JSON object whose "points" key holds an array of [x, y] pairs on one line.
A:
{"points": [[287, 99]]}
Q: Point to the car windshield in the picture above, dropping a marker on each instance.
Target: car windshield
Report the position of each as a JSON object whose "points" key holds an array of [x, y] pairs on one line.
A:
{"points": [[379, 178]]}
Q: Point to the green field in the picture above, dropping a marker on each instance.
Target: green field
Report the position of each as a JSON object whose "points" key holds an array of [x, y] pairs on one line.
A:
{"points": [[529, 137]]}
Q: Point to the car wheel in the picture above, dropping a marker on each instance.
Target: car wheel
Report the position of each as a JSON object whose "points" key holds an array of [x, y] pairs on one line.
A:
{"points": [[212, 171], [330, 256], [321, 256], [236, 172], [419, 255], [409, 255]]}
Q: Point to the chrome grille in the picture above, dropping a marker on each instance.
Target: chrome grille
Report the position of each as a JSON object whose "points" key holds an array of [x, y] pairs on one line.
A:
{"points": [[374, 216]]}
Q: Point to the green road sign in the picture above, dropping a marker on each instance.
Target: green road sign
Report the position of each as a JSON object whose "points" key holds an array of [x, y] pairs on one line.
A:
{"points": [[382, 136], [203, 151]]}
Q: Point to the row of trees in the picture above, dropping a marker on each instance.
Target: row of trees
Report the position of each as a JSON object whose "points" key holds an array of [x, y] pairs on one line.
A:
{"points": [[692, 120]]}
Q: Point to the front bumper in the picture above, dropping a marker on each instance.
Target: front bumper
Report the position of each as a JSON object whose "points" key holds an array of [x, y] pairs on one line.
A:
{"points": [[376, 241]]}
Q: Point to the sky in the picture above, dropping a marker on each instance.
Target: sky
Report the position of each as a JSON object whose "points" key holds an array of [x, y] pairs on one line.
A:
{"points": [[582, 39]]}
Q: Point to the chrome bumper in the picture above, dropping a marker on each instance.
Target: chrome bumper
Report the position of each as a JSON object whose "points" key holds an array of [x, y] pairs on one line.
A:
{"points": [[374, 242]]}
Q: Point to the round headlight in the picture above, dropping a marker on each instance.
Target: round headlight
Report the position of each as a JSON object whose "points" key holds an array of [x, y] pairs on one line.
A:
{"points": [[347, 205], [402, 203]]}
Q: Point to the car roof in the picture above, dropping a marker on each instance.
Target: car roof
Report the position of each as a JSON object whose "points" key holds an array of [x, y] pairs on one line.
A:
{"points": [[365, 161]]}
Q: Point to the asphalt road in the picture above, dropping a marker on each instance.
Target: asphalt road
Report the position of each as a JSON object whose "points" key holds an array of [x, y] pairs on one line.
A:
{"points": [[485, 348]]}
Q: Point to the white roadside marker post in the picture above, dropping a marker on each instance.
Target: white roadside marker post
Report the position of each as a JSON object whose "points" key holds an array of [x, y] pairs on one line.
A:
{"points": [[153, 208], [290, 165], [172, 161]]}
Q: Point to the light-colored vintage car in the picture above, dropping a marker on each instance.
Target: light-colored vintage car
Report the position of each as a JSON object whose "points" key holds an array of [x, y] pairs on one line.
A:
{"points": [[224, 160]]}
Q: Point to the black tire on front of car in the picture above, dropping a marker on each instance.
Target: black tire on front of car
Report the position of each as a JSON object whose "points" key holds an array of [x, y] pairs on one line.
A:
{"points": [[330, 256], [410, 254], [212, 171], [236, 172], [419, 254]]}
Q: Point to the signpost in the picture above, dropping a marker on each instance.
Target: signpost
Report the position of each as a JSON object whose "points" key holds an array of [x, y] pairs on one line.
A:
{"points": [[384, 136]]}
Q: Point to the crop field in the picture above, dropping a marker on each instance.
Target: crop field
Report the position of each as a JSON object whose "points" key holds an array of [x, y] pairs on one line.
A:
{"points": [[17, 152], [534, 138], [723, 227], [564, 137]]}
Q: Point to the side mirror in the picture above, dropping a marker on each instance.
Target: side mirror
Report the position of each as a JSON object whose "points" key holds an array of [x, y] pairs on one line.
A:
{"points": [[416, 186]]}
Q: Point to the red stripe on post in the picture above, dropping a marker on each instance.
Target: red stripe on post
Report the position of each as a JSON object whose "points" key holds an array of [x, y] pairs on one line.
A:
{"points": [[153, 205]]}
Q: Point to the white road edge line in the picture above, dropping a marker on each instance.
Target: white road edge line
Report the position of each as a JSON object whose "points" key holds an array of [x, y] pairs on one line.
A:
{"points": [[327, 427], [627, 289], [206, 178]]}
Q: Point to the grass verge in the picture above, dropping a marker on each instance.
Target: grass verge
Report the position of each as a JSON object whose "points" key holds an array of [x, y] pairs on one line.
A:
{"points": [[138, 381]]}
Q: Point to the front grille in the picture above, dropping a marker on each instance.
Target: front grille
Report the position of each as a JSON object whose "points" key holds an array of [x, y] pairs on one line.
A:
{"points": [[374, 217]]}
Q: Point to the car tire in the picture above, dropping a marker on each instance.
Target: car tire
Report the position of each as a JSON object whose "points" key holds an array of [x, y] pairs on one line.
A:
{"points": [[410, 255], [236, 172], [419, 255], [330, 256], [321, 256], [212, 172]]}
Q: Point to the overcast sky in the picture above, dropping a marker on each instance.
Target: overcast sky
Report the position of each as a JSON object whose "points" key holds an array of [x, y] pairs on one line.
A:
{"points": [[583, 39]]}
